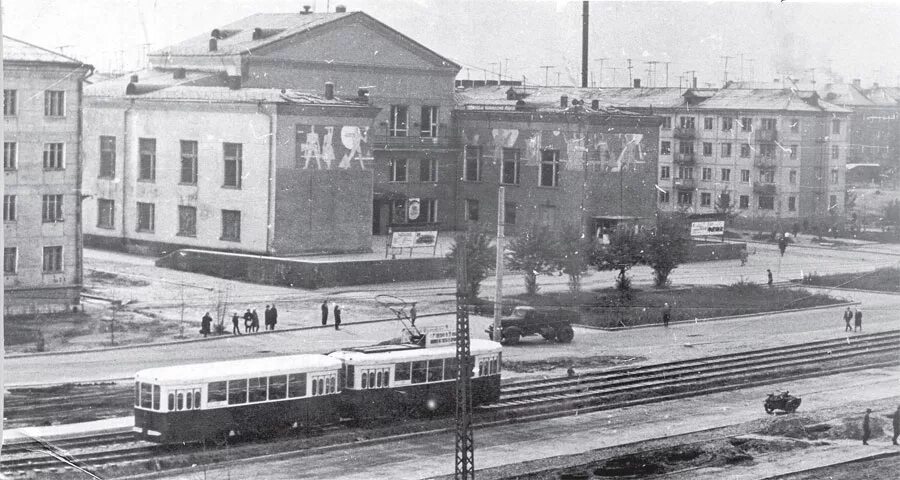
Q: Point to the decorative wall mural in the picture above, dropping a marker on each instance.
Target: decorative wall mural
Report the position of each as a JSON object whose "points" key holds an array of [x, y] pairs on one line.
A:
{"points": [[317, 148]]}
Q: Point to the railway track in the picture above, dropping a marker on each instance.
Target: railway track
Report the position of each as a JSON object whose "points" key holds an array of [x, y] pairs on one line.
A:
{"points": [[533, 398]]}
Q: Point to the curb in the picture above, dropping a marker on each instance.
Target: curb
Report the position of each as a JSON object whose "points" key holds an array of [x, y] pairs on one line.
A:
{"points": [[717, 319], [867, 458], [844, 289], [855, 248]]}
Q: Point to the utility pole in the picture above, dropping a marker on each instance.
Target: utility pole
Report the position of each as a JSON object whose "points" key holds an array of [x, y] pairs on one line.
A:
{"points": [[558, 81], [691, 78], [752, 73], [546, 72], [667, 74], [465, 439], [601, 60], [651, 72], [742, 72], [614, 70], [492, 71], [498, 293], [585, 7], [630, 81], [725, 76]]}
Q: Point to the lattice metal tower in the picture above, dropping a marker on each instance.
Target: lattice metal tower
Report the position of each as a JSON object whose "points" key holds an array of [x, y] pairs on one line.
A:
{"points": [[465, 443]]}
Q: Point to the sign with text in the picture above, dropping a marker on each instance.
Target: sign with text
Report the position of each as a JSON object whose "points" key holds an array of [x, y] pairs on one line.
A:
{"points": [[705, 229], [438, 336], [414, 239]]}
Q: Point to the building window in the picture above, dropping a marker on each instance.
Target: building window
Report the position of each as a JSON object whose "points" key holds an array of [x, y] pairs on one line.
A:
{"points": [[832, 202], [686, 148], [428, 170], [429, 211], [746, 124], [231, 225], [398, 121], [189, 162], [685, 197], [708, 123], [685, 172], [10, 100], [727, 124], [667, 123], [510, 167], [795, 125], [766, 202], [665, 148], [10, 156], [187, 221], [834, 176], [10, 260], [471, 210], [726, 174], [686, 122], [767, 176], [835, 126], [52, 259], [147, 152], [9, 208], [107, 157], [835, 152], [398, 169], [429, 122], [768, 124], [744, 202], [705, 199], [509, 213], [745, 150], [549, 168], [664, 172], [706, 173], [146, 218], [745, 176], [547, 215], [54, 156], [51, 206], [726, 149], [792, 204], [707, 149], [792, 176], [724, 200], [54, 103], [106, 211], [233, 154], [472, 165], [767, 149], [399, 212], [794, 149], [663, 196]]}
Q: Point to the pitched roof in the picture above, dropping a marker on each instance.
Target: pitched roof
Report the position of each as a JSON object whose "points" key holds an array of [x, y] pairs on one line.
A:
{"points": [[780, 99], [22, 51], [885, 96], [845, 94]]}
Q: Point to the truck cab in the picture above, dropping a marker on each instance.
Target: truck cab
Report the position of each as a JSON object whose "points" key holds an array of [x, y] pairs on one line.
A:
{"points": [[554, 324]]}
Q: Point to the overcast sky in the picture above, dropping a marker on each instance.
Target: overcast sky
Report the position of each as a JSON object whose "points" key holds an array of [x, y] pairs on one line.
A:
{"points": [[857, 39]]}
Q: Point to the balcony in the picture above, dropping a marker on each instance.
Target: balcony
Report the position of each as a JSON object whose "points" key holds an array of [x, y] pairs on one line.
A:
{"points": [[764, 162], [685, 183], [443, 142], [763, 188], [684, 132], [766, 135], [684, 158]]}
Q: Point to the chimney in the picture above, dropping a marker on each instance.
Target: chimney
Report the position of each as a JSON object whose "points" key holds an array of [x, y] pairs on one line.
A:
{"points": [[329, 91], [306, 10], [637, 83], [216, 33], [363, 95], [563, 101], [520, 105], [213, 44], [234, 82], [595, 104], [340, 9], [257, 33], [134, 78], [178, 74], [857, 82], [694, 83]]}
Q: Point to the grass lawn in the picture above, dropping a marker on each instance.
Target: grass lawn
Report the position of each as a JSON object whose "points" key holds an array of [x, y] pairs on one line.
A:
{"points": [[882, 280], [606, 308]]}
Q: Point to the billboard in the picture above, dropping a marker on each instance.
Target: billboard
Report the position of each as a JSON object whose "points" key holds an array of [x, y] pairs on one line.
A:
{"points": [[706, 229], [426, 238]]}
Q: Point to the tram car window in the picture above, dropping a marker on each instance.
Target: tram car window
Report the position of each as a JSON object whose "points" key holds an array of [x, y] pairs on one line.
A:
{"points": [[390, 381], [257, 397]]}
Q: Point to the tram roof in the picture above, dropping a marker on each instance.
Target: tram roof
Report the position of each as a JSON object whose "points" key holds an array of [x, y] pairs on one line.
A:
{"points": [[224, 370], [393, 355]]}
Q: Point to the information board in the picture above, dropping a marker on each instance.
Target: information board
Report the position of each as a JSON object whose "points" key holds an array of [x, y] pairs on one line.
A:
{"points": [[705, 229]]}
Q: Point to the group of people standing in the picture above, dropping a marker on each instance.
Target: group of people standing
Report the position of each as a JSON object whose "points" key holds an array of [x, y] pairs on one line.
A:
{"points": [[337, 315], [251, 320], [855, 317]]}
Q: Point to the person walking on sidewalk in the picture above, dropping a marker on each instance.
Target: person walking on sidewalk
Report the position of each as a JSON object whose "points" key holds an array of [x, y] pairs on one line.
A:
{"points": [[255, 322], [325, 312], [769, 273], [848, 317], [412, 315], [895, 417], [235, 322], [267, 317], [248, 321], [866, 430], [743, 257], [274, 312], [666, 314], [205, 324], [337, 317], [857, 323]]}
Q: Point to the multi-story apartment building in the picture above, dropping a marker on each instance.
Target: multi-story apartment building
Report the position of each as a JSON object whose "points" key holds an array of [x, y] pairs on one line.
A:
{"points": [[42, 253]]}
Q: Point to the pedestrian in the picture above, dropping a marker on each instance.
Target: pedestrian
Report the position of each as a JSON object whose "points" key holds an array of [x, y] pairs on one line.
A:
{"points": [[274, 312], [895, 417], [325, 312], [666, 314], [848, 317], [205, 324], [769, 273], [743, 257], [866, 431], [248, 321], [412, 315], [235, 322], [857, 323], [782, 244], [267, 317], [337, 317], [255, 321]]}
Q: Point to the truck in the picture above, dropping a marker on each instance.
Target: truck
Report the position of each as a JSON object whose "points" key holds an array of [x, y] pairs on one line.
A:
{"points": [[554, 324]]}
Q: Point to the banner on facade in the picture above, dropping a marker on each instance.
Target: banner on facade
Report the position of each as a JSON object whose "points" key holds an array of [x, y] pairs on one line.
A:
{"points": [[706, 229], [426, 238]]}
